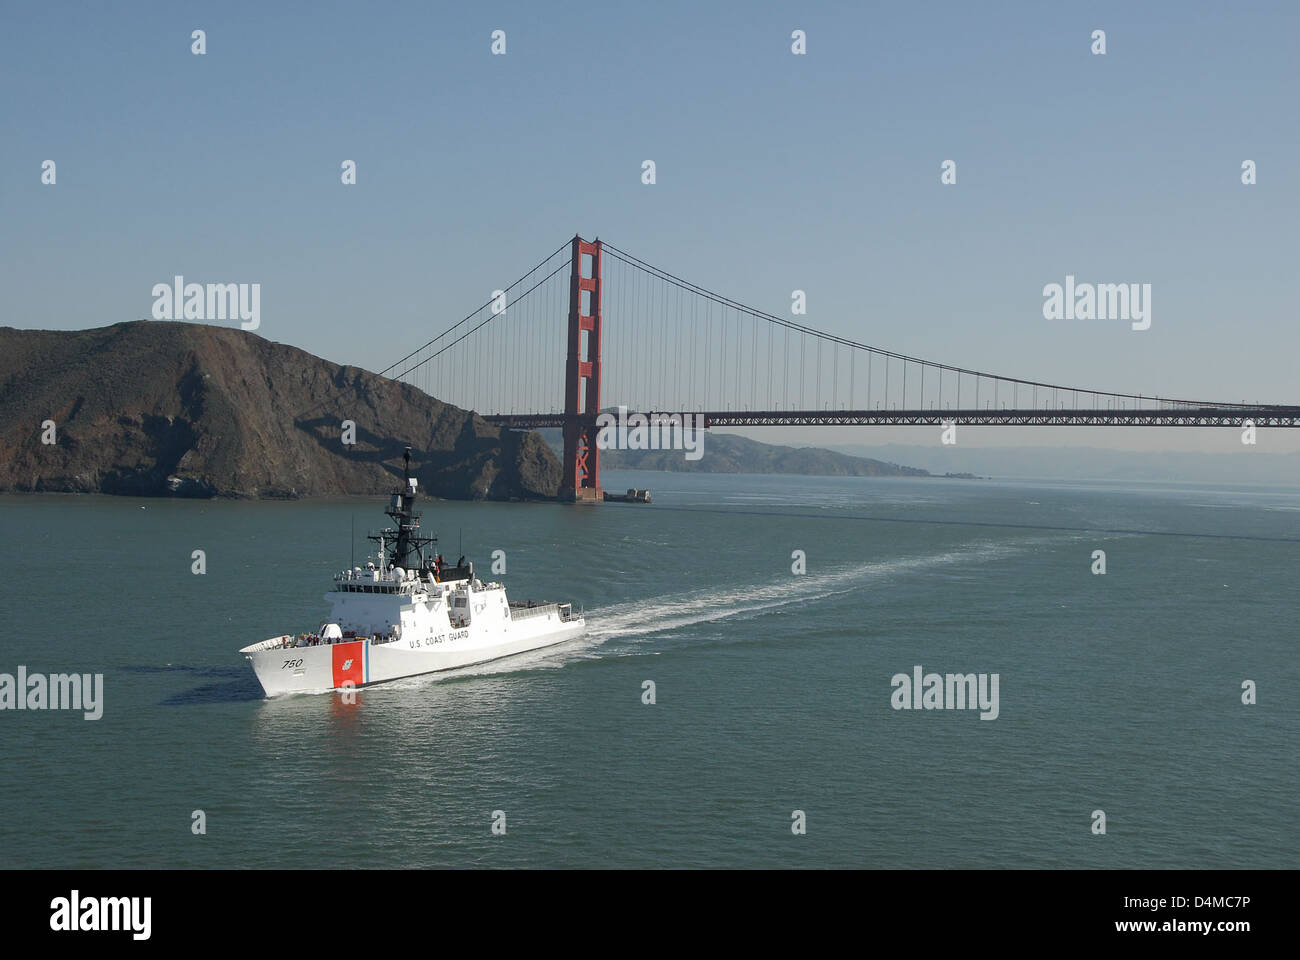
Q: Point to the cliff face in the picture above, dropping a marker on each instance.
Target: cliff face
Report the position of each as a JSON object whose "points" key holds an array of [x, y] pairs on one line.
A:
{"points": [[158, 408]]}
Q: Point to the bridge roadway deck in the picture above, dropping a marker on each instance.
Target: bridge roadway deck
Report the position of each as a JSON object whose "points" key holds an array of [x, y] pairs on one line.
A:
{"points": [[1179, 416]]}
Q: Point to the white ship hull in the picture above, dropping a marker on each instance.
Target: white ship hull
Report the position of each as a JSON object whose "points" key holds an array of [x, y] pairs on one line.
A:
{"points": [[405, 614], [348, 664]]}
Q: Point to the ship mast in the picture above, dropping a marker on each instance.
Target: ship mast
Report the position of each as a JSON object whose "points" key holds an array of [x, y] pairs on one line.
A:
{"points": [[408, 544]]}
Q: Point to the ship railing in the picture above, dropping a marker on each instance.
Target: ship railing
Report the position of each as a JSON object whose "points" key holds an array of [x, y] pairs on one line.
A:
{"points": [[275, 643], [289, 642], [524, 610]]}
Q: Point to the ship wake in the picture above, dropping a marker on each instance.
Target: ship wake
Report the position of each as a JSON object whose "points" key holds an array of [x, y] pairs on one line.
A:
{"points": [[619, 629]]}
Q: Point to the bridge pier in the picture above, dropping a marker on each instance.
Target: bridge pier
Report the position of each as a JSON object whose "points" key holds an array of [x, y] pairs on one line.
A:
{"points": [[581, 482]]}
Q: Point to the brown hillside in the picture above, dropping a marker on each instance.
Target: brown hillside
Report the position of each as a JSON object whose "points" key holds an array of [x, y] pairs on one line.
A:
{"points": [[158, 408]]}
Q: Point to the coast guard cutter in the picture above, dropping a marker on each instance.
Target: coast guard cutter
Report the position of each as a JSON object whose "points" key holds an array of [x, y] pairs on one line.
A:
{"points": [[407, 613]]}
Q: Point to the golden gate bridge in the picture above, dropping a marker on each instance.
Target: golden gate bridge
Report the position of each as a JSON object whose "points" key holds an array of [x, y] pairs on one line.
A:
{"points": [[592, 324]]}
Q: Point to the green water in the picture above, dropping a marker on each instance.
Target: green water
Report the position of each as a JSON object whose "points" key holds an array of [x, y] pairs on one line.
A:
{"points": [[1118, 692]]}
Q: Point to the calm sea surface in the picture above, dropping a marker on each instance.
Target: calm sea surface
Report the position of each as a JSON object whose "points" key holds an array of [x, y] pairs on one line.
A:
{"points": [[1120, 693]]}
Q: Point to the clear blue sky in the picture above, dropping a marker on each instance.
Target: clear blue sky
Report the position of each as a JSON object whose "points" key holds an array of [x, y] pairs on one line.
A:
{"points": [[775, 171]]}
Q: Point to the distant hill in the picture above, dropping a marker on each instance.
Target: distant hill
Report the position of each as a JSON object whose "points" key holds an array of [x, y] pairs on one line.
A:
{"points": [[158, 408], [729, 453], [1238, 464]]}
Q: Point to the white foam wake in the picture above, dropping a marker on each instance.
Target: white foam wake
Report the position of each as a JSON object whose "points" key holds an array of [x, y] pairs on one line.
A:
{"points": [[657, 614]]}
